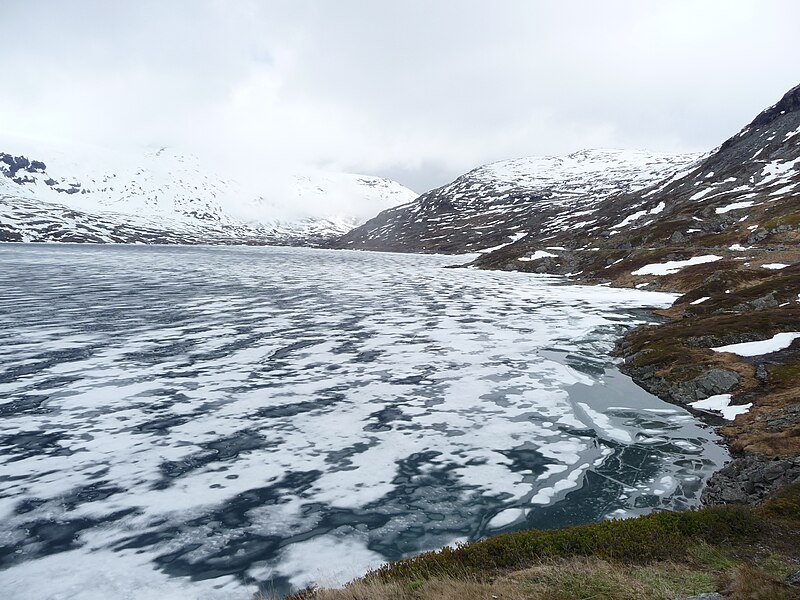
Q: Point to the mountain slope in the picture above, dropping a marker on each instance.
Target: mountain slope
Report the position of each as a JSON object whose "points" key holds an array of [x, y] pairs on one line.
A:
{"points": [[504, 201], [741, 202], [84, 194]]}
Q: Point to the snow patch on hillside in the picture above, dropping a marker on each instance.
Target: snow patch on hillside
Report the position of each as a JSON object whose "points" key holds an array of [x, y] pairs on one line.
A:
{"points": [[721, 403], [673, 266], [779, 341]]}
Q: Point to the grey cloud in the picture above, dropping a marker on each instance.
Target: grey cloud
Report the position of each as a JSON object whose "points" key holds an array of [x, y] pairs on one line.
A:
{"points": [[424, 90]]}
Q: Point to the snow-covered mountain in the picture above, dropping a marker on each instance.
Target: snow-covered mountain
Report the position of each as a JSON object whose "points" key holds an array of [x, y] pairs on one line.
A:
{"points": [[607, 213], [85, 194], [739, 202], [504, 201]]}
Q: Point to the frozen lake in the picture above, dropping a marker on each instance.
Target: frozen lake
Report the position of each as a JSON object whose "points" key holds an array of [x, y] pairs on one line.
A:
{"points": [[195, 422]]}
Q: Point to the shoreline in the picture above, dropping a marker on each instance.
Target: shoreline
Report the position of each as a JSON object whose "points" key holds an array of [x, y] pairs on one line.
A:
{"points": [[762, 442], [724, 302], [763, 485]]}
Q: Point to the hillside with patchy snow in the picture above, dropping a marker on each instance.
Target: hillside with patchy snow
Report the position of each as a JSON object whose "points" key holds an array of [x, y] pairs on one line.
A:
{"points": [[82, 194], [739, 204], [505, 201]]}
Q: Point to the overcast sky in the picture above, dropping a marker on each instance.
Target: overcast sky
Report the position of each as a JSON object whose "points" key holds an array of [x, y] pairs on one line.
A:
{"points": [[418, 90]]}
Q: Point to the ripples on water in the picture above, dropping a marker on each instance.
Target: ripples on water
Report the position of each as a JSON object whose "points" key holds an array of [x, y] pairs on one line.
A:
{"points": [[196, 421]]}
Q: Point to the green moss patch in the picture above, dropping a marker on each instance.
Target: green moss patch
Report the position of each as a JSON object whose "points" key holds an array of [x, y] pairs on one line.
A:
{"points": [[787, 375]]}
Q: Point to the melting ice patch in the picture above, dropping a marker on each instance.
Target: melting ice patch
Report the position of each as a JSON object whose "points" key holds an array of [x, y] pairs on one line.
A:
{"points": [[780, 341], [537, 255], [200, 420], [721, 403], [673, 266], [733, 206], [778, 170]]}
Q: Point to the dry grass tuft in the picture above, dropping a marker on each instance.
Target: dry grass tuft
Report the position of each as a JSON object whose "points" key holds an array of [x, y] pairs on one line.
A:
{"points": [[606, 580], [748, 582], [569, 579], [434, 589]]}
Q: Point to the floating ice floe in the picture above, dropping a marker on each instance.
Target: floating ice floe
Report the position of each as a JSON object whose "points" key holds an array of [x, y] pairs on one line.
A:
{"points": [[604, 424], [673, 266], [326, 550], [779, 341], [506, 517]]}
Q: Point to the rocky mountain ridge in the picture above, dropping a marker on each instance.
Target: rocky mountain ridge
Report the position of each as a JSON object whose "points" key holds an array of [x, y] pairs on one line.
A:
{"points": [[76, 194], [741, 201], [505, 201]]}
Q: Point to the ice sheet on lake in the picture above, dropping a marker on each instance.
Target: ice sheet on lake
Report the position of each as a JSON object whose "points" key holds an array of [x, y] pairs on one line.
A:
{"points": [[214, 411]]}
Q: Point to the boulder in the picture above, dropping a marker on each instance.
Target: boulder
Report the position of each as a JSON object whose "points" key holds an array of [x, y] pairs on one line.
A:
{"points": [[712, 382], [749, 479]]}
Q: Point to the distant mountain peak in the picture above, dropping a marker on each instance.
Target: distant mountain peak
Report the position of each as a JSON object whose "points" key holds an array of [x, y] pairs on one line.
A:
{"points": [[789, 103], [739, 204], [160, 194], [503, 201]]}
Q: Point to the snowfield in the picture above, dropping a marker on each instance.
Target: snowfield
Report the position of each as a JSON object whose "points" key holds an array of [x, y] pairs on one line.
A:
{"points": [[673, 266], [90, 192]]}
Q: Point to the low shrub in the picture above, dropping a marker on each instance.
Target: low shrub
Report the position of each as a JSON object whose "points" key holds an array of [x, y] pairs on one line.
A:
{"points": [[658, 536]]}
